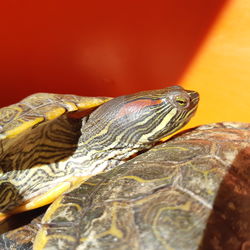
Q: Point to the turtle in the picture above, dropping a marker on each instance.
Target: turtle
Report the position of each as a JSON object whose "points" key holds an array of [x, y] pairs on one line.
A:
{"points": [[51, 142], [189, 192]]}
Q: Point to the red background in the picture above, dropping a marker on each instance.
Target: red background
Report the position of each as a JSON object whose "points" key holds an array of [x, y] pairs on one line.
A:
{"points": [[99, 47]]}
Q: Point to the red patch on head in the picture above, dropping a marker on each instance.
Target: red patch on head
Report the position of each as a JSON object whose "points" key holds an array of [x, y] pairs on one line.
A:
{"points": [[136, 106]]}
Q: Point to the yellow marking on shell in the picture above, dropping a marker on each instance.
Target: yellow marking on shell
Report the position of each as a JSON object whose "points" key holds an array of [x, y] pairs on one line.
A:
{"points": [[52, 209], [73, 182], [170, 148], [71, 204], [113, 230], [45, 198], [4, 216], [19, 109], [90, 102], [87, 102], [141, 180], [91, 184], [41, 239], [185, 207], [205, 173], [71, 106], [25, 125], [54, 113], [142, 200]]}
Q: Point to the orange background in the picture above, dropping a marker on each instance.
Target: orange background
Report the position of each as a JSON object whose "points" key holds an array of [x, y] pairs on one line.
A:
{"points": [[118, 47]]}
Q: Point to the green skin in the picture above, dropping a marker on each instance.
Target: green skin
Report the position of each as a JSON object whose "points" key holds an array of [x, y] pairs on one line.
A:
{"points": [[64, 147]]}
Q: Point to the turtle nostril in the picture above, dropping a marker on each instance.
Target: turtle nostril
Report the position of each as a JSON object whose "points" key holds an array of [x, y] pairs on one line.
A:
{"points": [[194, 96]]}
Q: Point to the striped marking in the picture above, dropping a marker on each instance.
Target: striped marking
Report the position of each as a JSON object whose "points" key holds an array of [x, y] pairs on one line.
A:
{"points": [[162, 125], [59, 150], [24, 125]]}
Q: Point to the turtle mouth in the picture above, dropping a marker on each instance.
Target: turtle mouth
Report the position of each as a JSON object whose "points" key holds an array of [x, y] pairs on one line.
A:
{"points": [[194, 96]]}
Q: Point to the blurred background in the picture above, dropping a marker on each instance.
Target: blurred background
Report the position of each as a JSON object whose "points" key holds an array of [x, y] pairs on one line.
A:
{"points": [[110, 48]]}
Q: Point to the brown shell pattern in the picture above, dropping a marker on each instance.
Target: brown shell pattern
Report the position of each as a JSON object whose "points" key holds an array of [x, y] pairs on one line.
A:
{"points": [[191, 192]]}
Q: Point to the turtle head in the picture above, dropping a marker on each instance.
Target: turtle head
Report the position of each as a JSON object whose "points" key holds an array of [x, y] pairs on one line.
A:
{"points": [[141, 119]]}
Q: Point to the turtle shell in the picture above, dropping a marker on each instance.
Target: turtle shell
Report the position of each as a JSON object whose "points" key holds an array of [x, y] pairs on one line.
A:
{"points": [[40, 108], [39, 119], [191, 192], [22, 237], [46, 148]]}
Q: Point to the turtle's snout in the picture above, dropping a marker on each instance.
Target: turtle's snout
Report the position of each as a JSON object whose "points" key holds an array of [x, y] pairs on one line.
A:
{"points": [[195, 97]]}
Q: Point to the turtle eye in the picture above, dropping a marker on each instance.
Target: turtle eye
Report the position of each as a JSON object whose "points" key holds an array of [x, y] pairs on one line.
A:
{"points": [[182, 101]]}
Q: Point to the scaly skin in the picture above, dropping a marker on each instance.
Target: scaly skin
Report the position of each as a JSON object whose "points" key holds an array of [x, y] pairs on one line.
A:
{"points": [[43, 162], [191, 192]]}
